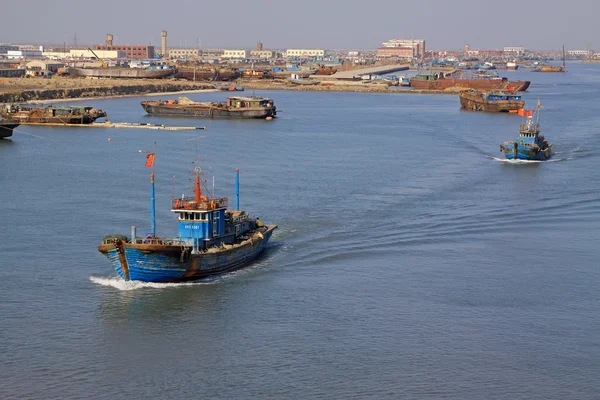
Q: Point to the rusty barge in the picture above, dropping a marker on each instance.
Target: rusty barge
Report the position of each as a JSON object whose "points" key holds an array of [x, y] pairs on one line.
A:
{"points": [[439, 82], [31, 114], [491, 101]]}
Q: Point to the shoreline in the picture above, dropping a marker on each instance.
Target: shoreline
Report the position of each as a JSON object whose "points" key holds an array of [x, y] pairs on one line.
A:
{"points": [[43, 91]]}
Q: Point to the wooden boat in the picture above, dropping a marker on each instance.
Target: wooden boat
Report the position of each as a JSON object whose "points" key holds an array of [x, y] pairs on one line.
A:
{"points": [[491, 101], [66, 115], [234, 107], [207, 74], [530, 145], [439, 82], [7, 127], [212, 240]]}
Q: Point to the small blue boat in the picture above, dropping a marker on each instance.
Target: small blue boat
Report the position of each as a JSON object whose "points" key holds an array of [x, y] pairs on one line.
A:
{"points": [[212, 240], [530, 145]]}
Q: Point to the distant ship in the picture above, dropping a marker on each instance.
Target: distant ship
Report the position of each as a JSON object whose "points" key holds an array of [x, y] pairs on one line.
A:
{"points": [[530, 145], [491, 101], [31, 114], [235, 107], [212, 240]]}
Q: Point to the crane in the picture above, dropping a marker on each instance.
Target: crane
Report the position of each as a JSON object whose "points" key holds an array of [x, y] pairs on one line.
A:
{"points": [[98, 58]]}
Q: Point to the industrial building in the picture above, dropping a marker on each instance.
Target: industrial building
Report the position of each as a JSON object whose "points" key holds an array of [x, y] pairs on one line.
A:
{"points": [[131, 51], [395, 52], [184, 53], [241, 54], [417, 46]]}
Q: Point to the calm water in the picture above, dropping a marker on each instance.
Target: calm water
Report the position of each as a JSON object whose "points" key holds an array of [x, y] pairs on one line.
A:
{"points": [[410, 261]]}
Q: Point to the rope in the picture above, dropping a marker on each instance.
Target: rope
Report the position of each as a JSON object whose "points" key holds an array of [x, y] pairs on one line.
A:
{"points": [[18, 130]]}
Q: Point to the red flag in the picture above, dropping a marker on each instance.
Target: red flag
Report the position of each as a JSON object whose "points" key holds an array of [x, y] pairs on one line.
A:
{"points": [[529, 113], [149, 160], [521, 112]]}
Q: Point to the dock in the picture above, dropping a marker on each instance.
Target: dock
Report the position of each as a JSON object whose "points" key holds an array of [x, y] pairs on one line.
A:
{"points": [[122, 125], [357, 73]]}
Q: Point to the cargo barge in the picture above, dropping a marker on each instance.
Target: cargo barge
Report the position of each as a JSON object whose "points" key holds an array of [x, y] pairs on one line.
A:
{"points": [[25, 114], [234, 107], [438, 82]]}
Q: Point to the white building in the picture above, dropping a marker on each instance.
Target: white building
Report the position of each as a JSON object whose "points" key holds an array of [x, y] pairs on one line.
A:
{"points": [[18, 54], [235, 54], [305, 53], [584, 53], [184, 53], [515, 50], [262, 54], [77, 53]]}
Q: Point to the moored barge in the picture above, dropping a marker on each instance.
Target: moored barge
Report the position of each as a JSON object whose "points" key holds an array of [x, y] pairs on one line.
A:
{"points": [[31, 114], [439, 82], [234, 107]]}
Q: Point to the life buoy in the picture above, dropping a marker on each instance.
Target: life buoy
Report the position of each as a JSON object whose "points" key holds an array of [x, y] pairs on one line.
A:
{"points": [[212, 205], [178, 203]]}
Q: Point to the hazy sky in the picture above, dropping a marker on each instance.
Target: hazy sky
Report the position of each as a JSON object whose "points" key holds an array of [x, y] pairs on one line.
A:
{"points": [[330, 24]]}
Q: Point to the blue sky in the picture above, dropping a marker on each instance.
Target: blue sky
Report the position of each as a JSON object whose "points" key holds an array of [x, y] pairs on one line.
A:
{"points": [[535, 24]]}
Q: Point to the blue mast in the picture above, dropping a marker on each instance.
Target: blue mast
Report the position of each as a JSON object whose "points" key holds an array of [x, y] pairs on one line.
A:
{"points": [[237, 189]]}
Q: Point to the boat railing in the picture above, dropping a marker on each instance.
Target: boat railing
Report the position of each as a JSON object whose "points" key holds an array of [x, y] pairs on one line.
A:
{"points": [[205, 203]]}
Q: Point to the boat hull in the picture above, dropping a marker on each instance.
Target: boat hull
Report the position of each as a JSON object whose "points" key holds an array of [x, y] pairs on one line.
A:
{"points": [[201, 111], [6, 128], [479, 84], [174, 263], [128, 73], [525, 152]]}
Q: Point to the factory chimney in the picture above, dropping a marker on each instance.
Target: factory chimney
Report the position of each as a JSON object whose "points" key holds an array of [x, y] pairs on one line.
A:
{"points": [[466, 49], [109, 40], [163, 35], [259, 46]]}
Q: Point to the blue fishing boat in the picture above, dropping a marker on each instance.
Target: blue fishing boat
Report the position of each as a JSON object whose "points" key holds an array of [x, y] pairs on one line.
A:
{"points": [[212, 240], [530, 145]]}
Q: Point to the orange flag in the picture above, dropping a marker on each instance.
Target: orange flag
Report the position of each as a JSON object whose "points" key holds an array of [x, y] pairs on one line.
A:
{"points": [[149, 160], [521, 112], [529, 113]]}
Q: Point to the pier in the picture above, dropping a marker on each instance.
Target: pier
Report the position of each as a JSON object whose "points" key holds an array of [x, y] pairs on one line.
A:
{"points": [[357, 73]]}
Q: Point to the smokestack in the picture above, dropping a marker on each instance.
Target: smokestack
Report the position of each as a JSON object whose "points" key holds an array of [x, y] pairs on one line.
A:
{"points": [[466, 48], [259, 46], [163, 35], [109, 40]]}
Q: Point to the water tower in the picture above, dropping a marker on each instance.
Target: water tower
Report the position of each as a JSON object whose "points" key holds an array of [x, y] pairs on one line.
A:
{"points": [[109, 40]]}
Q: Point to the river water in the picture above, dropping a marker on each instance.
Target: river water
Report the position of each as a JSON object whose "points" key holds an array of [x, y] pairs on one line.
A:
{"points": [[410, 261]]}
